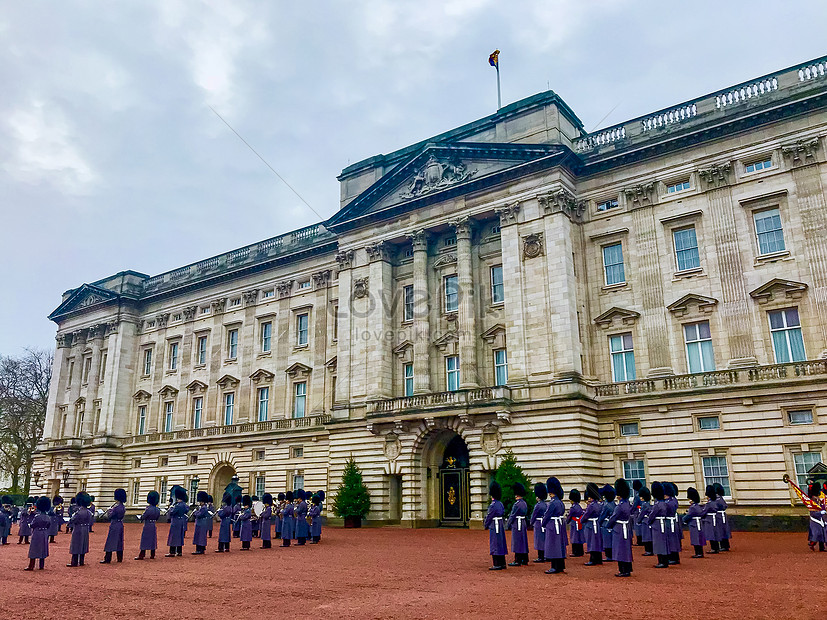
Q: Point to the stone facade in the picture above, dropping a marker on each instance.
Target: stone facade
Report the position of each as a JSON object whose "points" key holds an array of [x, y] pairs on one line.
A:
{"points": [[646, 301]]}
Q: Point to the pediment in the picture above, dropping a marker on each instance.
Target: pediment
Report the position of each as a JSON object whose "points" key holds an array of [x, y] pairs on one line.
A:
{"points": [[440, 171], [168, 391], [141, 396], [626, 317], [446, 259], [196, 386], [227, 381], [494, 334], [448, 342], [83, 297], [403, 350], [688, 303], [331, 364], [262, 376], [776, 288], [297, 369]]}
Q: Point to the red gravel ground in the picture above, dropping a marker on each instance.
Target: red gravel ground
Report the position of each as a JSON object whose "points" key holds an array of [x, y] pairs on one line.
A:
{"points": [[401, 573]]}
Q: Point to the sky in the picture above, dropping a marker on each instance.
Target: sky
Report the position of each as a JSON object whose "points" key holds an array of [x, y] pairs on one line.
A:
{"points": [[111, 157]]}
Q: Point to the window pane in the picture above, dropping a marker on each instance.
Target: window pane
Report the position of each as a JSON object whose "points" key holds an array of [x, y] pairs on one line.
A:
{"points": [[451, 294], [791, 317], [613, 264], [805, 461], [776, 320], [634, 470], [779, 346], [497, 291], [801, 416], [715, 472], [709, 423], [630, 366]]}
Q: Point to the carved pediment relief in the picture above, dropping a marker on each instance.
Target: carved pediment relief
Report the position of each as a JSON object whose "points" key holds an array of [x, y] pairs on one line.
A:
{"points": [[83, 297], [141, 396], [778, 289], [692, 304], [298, 370], [622, 315], [227, 381], [331, 364], [445, 260], [436, 174], [495, 336], [197, 387], [448, 343], [168, 391], [262, 376], [403, 349]]}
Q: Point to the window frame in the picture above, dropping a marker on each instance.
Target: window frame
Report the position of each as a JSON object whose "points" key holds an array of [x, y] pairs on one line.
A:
{"points": [[450, 299], [266, 336], [142, 419], [673, 186], [623, 353], [232, 343], [626, 473], [197, 412], [174, 349], [677, 252], [407, 379], [303, 317], [299, 386], [786, 330], [759, 250], [407, 303], [263, 399], [607, 266], [201, 352], [169, 416], [788, 411], [699, 341], [709, 479], [500, 364], [228, 406], [711, 416], [762, 161], [495, 298], [798, 477], [452, 373], [613, 203], [147, 361], [623, 423]]}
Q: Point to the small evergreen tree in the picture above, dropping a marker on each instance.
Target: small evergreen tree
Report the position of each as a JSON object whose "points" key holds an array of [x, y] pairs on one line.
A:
{"points": [[506, 475], [352, 498]]}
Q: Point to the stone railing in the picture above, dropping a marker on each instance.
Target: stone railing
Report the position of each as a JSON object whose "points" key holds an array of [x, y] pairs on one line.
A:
{"points": [[257, 252], [740, 376], [709, 107], [459, 398], [231, 429]]}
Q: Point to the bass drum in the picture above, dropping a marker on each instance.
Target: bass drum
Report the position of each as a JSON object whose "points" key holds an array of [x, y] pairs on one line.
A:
{"points": [[258, 509]]}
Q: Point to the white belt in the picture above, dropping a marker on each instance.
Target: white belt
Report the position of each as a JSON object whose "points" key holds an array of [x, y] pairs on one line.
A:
{"points": [[625, 531], [557, 521], [819, 521], [672, 521], [497, 523], [714, 520], [540, 521], [723, 516], [519, 523], [662, 527], [594, 522], [697, 522]]}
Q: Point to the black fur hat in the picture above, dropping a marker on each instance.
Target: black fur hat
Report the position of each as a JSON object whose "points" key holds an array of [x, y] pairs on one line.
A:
{"points": [[301, 495], [710, 492], [246, 501], [321, 495], [554, 487], [657, 491], [57, 500], [592, 492], [637, 485], [281, 497], [693, 495], [540, 491], [814, 490], [181, 493], [316, 499], [120, 495], [267, 498], [574, 495], [519, 489], [495, 491], [289, 496], [608, 493], [622, 488], [201, 497], [73, 500], [719, 489], [83, 499], [43, 504], [30, 501], [255, 498], [227, 499], [645, 494], [209, 498], [675, 489], [153, 498], [5, 500]]}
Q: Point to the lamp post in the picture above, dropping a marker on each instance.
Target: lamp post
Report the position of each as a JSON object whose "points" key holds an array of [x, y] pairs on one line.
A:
{"points": [[66, 474]]}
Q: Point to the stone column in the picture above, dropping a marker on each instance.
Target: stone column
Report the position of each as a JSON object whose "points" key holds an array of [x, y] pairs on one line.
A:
{"points": [[421, 324], [321, 282], [345, 331], [57, 386], [78, 344], [513, 291], [381, 287], [96, 333], [466, 318]]}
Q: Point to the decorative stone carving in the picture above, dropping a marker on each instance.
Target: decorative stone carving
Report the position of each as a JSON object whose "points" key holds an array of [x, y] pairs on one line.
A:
{"points": [[96, 332], [403, 350], [466, 419], [462, 226], [640, 194], [197, 387], [262, 376], [321, 278], [773, 289], [561, 201], [436, 175], [400, 426], [78, 337], [805, 148], [716, 175], [345, 259], [687, 303], [112, 327], [360, 287], [627, 317], [168, 391], [162, 318], [284, 288], [419, 240], [218, 305], [190, 312], [508, 213], [445, 259], [227, 381], [379, 251], [298, 370], [63, 340], [141, 396], [90, 300], [533, 245], [250, 297], [392, 447], [491, 440]]}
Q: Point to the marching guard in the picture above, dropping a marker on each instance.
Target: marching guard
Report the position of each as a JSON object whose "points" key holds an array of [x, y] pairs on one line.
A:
{"points": [[302, 529], [673, 531], [211, 505], [264, 521], [575, 521], [114, 539], [637, 485], [643, 514], [81, 520], [694, 519], [177, 515], [237, 508], [658, 516], [5, 519], [710, 522], [818, 527], [606, 511], [725, 531], [56, 517], [497, 545], [287, 520], [620, 525], [277, 514], [315, 514], [225, 530], [202, 516], [149, 533], [39, 547], [24, 529], [591, 517], [246, 516], [537, 514], [519, 531], [555, 523]]}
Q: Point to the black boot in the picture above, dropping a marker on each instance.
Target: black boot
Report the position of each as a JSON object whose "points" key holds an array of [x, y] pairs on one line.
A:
{"points": [[541, 557], [699, 551], [713, 546], [52, 539], [74, 561], [152, 554], [107, 558], [725, 544], [595, 558], [119, 555], [663, 561], [141, 555], [674, 558], [41, 563], [171, 553], [82, 559], [647, 547], [31, 565]]}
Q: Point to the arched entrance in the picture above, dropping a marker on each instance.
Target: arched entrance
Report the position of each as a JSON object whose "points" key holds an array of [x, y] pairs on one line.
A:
{"points": [[445, 457], [219, 479]]}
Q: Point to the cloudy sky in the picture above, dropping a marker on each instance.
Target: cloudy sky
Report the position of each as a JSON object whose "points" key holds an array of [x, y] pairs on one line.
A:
{"points": [[111, 159]]}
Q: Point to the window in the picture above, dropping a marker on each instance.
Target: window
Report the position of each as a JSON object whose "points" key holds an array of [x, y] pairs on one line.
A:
{"points": [[142, 420], [298, 481], [197, 409], [232, 344], [266, 336], [452, 373], [677, 187], [709, 423], [136, 463], [193, 489], [613, 264], [409, 378], [178, 316], [235, 302], [299, 399], [229, 407], [500, 367], [451, 284], [136, 492], [173, 356], [193, 460], [259, 455], [497, 290], [163, 490], [147, 362], [260, 489], [332, 391], [805, 461], [304, 284], [102, 369], [163, 461], [449, 241], [87, 365], [263, 403], [787, 342], [408, 310], [202, 350], [606, 205], [335, 322], [686, 249], [800, 416], [205, 309], [634, 470], [495, 229], [716, 472], [297, 452], [769, 232], [755, 166], [269, 293], [72, 373], [301, 330], [629, 429], [699, 347], [168, 411], [623, 357]]}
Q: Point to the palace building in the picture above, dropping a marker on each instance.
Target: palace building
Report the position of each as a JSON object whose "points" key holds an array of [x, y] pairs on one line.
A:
{"points": [[647, 301]]}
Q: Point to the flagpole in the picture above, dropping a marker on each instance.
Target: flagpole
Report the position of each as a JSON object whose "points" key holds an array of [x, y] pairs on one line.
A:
{"points": [[499, 92]]}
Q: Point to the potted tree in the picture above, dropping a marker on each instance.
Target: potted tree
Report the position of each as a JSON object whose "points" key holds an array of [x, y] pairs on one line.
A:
{"points": [[352, 501]]}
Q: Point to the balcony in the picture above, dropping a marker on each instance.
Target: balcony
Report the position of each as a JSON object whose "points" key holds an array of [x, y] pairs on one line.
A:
{"points": [[438, 400], [716, 379]]}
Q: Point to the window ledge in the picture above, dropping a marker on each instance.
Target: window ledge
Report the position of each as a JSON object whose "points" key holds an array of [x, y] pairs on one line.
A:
{"points": [[171, 371], [407, 322], [771, 258], [265, 354], [301, 347], [608, 288], [498, 304], [231, 360], [688, 273], [199, 366]]}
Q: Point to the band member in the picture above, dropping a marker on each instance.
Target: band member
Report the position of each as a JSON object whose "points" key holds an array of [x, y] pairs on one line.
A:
{"points": [[315, 514], [540, 507], [710, 521], [497, 546], [177, 515], [609, 505], [818, 526], [93, 509], [40, 523], [24, 529], [114, 539], [302, 528], [555, 523], [591, 520], [56, 515], [254, 521], [725, 530], [277, 515], [694, 519], [620, 524], [225, 530], [637, 485], [575, 521], [657, 519], [149, 533], [673, 529], [643, 514], [264, 521], [211, 506], [73, 508], [519, 529], [202, 517], [245, 516], [237, 508], [81, 520], [5, 519], [287, 520]]}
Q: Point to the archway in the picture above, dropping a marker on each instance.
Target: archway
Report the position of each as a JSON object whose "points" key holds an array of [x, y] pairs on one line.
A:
{"points": [[219, 479], [446, 463]]}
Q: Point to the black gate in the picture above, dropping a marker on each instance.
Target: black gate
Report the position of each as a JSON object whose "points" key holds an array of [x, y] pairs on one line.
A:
{"points": [[454, 484]]}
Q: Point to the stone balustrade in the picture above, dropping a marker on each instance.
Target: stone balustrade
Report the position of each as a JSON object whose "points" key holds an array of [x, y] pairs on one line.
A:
{"points": [[458, 398], [812, 72]]}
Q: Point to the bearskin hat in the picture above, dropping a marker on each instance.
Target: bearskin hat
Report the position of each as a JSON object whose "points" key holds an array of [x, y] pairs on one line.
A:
{"points": [[519, 489], [574, 495], [540, 491], [43, 504], [622, 488], [201, 497], [320, 493], [281, 497], [592, 492], [495, 491], [73, 500], [153, 498], [5, 500], [814, 490], [710, 492], [181, 493], [645, 494], [657, 491], [719, 489], [554, 487], [301, 495], [227, 499], [267, 498], [209, 498], [83, 499], [247, 501], [693, 495], [120, 495], [608, 493], [316, 500], [289, 496], [30, 501], [57, 500], [637, 485]]}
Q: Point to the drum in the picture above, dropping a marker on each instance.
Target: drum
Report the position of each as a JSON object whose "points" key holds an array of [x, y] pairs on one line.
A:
{"points": [[258, 509]]}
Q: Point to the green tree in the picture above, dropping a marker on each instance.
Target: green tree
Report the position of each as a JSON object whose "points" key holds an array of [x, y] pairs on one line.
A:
{"points": [[352, 498], [506, 475]]}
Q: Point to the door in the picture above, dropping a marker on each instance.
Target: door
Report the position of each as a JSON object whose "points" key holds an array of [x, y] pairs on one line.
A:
{"points": [[454, 503]]}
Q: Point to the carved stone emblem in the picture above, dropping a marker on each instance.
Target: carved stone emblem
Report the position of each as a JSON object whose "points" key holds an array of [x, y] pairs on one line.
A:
{"points": [[508, 213], [250, 297], [345, 259], [533, 245], [436, 175], [801, 148], [492, 439], [189, 312], [284, 287], [393, 446], [162, 318], [360, 287], [716, 175], [640, 194]]}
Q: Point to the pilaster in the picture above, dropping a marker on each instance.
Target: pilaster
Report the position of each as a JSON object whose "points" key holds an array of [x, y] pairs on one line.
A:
{"points": [[421, 321], [513, 292], [345, 330], [380, 355], [96, 334], [469, 372]]}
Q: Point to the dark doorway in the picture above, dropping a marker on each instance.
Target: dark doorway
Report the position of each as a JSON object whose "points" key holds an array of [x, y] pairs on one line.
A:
{"points": [[454, 482]]}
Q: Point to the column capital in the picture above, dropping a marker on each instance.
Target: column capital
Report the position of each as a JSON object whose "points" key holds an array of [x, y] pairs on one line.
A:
{"points": [[63, 341], [321, 278], [345, 259], [380, 250], [508, 213], [189, 312], [96, 332], [250, 297], [419, 239], [462, 226], [218, 306], [716, 175], [801, 152], [284, 288]]}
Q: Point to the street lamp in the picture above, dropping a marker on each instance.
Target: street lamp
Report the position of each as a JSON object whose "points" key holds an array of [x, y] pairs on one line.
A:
{"points": [[66, 474], [36, 477]]}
